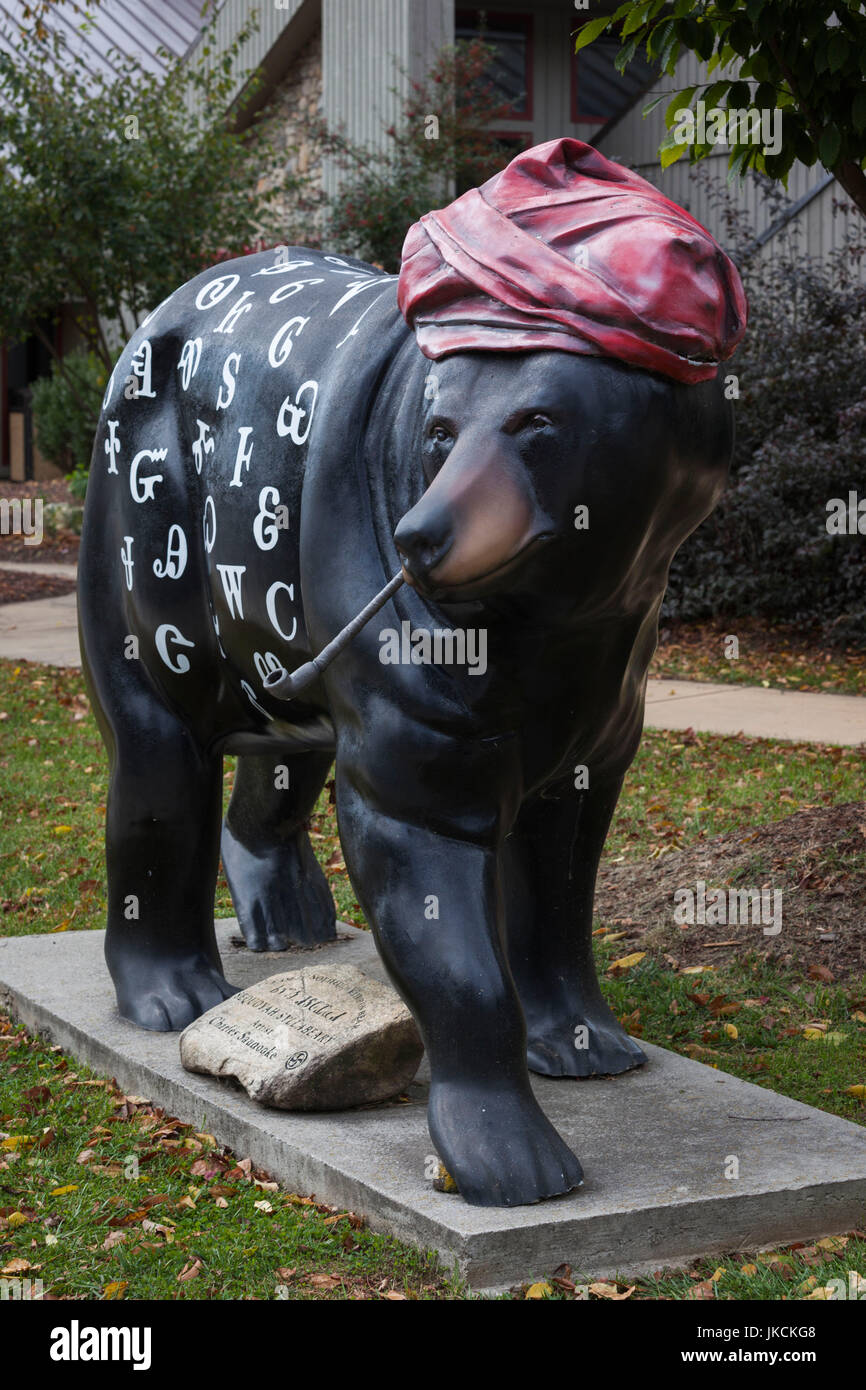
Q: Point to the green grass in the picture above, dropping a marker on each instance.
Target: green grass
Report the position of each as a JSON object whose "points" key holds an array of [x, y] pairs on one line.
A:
{"points": [[752, 1020], [684, 787], [201, 1202]]}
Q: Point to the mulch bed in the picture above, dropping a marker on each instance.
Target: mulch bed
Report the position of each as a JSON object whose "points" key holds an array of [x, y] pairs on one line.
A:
{"points": [[49, 489], [18, 586], [61, 549], [817, 858], [782, 655]]}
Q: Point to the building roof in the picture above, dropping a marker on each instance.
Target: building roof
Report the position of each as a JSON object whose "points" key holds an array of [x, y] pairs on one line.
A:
{"points": [[137, 29]]}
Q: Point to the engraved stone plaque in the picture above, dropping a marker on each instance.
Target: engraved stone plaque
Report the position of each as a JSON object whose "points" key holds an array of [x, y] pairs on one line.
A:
{"points": [[324, 1038]]}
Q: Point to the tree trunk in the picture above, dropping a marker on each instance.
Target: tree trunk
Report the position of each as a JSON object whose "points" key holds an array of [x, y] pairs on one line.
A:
{"points": [[853, 180]]}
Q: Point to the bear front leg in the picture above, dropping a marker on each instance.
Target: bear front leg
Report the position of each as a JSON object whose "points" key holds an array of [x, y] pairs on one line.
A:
{"points": [[434, 903], [550, 864]]}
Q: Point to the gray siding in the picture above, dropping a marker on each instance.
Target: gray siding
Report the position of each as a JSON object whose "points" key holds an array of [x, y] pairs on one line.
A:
{"points": [[367, 47]]}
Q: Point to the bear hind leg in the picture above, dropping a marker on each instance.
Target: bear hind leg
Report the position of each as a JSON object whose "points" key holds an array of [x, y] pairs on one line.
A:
{"points": [[279, 891]]}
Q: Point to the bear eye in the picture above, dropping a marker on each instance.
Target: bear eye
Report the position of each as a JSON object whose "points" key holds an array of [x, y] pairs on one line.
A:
{"points": [[537, 421], [439, 434]]}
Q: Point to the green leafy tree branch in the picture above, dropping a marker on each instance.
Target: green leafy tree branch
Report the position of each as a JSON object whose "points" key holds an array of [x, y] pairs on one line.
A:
{"points": [[805, 57]]}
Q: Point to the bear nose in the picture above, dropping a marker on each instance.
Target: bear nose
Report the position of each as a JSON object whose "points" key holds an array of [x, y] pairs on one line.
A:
{"points": [[422, 542]]}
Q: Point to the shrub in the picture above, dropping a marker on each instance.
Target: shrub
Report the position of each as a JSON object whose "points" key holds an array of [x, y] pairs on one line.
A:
{"points": [[66, 409], [801, 440]]}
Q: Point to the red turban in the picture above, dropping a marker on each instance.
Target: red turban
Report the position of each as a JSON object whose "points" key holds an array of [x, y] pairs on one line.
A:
{"points": [[565, 249]]}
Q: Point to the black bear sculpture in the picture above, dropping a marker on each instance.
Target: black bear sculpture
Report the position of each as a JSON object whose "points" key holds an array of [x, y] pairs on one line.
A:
{"points": [[525, 426]]}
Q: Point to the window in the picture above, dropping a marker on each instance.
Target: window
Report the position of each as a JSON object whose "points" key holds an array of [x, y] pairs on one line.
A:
{"points": [[598, 91], [511, 35]]}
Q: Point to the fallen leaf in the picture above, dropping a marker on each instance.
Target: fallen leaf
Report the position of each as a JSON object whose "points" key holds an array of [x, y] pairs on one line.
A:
{"points": [[157, 1228], [191, 1270], [748, 1270], [13, 1142], [443, 1181], [39, 1093], [204, 1168], [859, 1091], [821, 972], [62, 1191], [116, 1289], [541, 1290], [626, 962], [706, 1289]]}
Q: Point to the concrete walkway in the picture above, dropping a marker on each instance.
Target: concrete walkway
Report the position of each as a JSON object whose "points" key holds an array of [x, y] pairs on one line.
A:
{"points": [[725, 708], [45, 631], [22, 566]]}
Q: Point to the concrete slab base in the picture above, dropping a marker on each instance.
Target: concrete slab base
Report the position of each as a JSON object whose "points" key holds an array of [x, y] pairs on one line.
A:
{"points": [[655, 1144]]}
